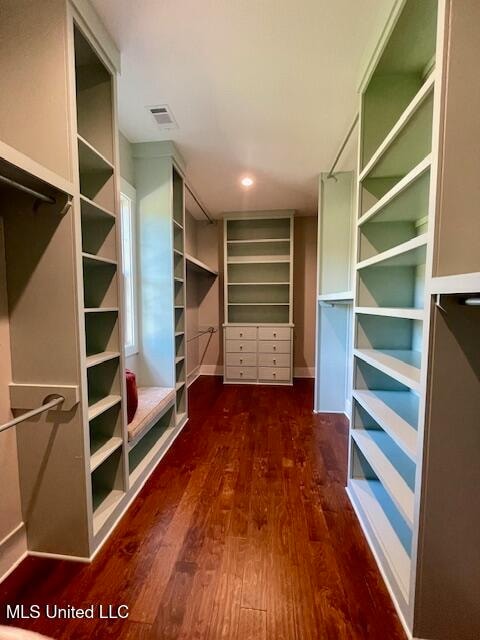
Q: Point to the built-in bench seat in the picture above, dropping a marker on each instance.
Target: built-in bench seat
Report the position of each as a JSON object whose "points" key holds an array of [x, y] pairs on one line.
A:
{"points": [[152, 404]]}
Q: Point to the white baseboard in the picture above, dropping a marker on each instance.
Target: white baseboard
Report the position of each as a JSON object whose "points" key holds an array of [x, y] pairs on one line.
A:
{"points": [[210, 370], [13, 549], [304, 372]]}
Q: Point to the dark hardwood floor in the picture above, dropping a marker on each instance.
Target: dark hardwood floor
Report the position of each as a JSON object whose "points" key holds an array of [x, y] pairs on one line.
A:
{"points": [[243, 532]]}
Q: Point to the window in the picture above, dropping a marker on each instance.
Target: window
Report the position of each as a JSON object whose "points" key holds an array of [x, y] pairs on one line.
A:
{"points": [[127, 215]]}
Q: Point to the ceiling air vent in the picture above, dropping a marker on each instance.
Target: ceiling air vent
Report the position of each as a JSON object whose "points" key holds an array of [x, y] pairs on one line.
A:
{"points": [[163, 116]]}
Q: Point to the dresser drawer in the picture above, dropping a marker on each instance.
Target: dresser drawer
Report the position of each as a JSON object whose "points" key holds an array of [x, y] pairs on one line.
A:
{"points": [[274, 359], [272, 346], [274, 373], [241, 333], [241, 373], [241, 359], [274, 333], [241, 346]]}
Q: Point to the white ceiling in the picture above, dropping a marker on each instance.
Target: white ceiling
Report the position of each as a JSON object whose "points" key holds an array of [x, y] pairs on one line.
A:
{"points": [[259, 87]]}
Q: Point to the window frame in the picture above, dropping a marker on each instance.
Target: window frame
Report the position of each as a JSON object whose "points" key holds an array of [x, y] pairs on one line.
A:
{"points": [[129, 192]]}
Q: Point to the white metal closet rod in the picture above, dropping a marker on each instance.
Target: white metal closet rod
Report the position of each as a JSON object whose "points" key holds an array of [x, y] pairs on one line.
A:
{"points": [[32, 413], [31, 192], [210, 330]]}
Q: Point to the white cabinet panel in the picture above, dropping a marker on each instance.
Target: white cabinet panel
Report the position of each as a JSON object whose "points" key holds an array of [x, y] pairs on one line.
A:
{"points": [[241, 359], [241, 333], [274, 373], [242, 373], [274, 359], [241, 346], [274, 333], [271, 346]]}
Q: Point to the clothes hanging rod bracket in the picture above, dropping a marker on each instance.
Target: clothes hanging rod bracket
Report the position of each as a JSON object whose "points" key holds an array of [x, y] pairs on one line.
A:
{"points": [[46, 406], [202, 208], [331, 173]]}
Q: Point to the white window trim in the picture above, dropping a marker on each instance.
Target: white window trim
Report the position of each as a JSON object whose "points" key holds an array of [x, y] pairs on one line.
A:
{"points": [[129, 191]]}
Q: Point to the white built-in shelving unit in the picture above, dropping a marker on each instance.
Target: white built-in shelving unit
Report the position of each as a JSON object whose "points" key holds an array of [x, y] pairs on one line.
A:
{"points": [[411, 228], [258, 297]]}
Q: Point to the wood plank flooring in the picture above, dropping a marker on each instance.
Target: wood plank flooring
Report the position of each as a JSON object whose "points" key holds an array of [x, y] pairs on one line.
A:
{"points": [[244, 532]]}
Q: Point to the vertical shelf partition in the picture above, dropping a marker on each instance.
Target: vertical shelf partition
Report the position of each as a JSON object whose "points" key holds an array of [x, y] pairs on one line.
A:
{"points": [[178, 223]]}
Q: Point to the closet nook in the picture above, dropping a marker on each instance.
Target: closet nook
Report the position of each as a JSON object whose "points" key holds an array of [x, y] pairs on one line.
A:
{"points": [[258, 297]]}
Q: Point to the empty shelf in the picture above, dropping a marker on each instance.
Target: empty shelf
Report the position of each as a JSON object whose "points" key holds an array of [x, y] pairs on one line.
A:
{"points": [[408, 209], [408, 254], [462, 283], [379, 450], [179, 385], [102, 405], [340, 296], [179, 333], [401, 124], [368, 496], [258, 259], [101, 309], [177, 279], [98, 358], [403, 365], [90, 159], [102, 450], [199, 266], [256, 284], [409, 313], [92, 210], [92, 259], [256, 241], [104, 506], [396, 412], [180, 226], [181, 419], [179, 359]]}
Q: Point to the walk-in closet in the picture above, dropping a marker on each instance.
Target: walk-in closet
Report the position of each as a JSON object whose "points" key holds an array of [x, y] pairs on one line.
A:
{"points": [[239, 320]]}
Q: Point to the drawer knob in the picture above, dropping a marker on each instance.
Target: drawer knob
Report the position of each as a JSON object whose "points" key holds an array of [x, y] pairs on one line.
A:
{"points": [[274, 361], [274, 347], [274, 334], [274, 374], [241, 373], [241, 360], [241, 347], [241, 334]]}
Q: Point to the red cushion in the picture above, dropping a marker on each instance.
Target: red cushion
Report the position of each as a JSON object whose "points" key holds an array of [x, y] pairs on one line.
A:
{"points": [[132, 395]]}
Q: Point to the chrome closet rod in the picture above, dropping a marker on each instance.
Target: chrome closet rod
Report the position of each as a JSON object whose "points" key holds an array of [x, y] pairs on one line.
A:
{"points": [[210, 330], [31, 192], [199, 204], [32, 413], [342, 147]]}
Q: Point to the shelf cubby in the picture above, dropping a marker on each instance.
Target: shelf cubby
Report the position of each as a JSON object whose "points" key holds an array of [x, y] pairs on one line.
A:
{"points": [[179, 296], [383, 518], [99, 283], [98, 231], [94, 98], [103, 381], [180, 346], [395, 287], [391, 465], [101, 333], [400, 73], [145, 452], [273, 293], [259, 249], [178, 238], [179, 319], [253, 273], [107, 489], [258, 229], [180, 371], [105, 435], [258, 313], [396, 412], [178, 265]]}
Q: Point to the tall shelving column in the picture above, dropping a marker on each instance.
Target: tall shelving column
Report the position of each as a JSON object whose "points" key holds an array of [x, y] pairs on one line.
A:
{"points": [[103, 372], [178, 224], [391, 318], [258, 297]]}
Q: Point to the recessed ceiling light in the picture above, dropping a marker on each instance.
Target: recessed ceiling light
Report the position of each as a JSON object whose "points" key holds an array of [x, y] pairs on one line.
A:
{"points": [[247, 181]]}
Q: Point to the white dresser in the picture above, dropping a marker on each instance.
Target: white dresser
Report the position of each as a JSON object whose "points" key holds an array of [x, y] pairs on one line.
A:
{"points": [[258, 288], [258, 354]]}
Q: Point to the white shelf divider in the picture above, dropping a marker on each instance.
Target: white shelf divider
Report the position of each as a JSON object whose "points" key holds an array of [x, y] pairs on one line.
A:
{"points": [[403, 365]]}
